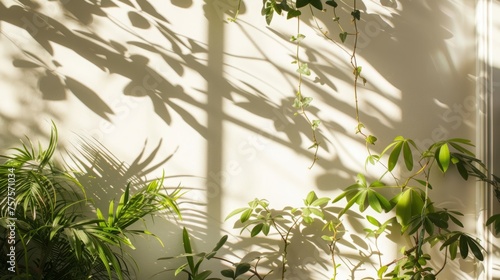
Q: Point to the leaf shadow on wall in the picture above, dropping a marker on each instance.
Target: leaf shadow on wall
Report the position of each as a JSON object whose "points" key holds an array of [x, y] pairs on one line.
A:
{"points": [[182, 54], [105, 177]]}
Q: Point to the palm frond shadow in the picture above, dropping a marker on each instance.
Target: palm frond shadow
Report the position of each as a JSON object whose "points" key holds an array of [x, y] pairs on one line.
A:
{"points": [[98, 167]]}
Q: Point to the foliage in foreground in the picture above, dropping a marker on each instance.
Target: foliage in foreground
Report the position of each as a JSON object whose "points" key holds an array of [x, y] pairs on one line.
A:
{"points": [[406, 202], [53, 227]]}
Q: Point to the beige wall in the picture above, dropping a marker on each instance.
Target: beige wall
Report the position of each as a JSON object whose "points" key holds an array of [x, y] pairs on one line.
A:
{"points": [[218, 95]]}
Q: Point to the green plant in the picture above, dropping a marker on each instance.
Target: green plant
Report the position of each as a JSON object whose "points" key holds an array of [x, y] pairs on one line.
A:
{"points": [[408, 197], [193, 266], [52, 231], [407, 201], [259, 218]]}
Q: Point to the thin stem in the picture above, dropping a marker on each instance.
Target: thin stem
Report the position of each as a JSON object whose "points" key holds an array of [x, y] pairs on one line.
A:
{"points": [[354, 64], [444, 263], [300, 97], [285, 248]]}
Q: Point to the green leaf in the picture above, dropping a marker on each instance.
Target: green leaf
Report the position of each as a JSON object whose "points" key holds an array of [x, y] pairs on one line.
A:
{"points": [[241, 268], [317, 212], [332, 3], [316, 4], [394, 156], [443, 157], [343, 36], [311, 196], [304, 69], [356, 14], [464, 246], [320, 201], [293, 13], [453, 249], [456, 221], [299, 38], [227, 273], [476, 249], [219, 244], [301, 3], [256, 229], [462, 170], [373, 221], [245, 216], [409, 204], [408, 156], [187, 248], [266, 228], [374, 202], [371, 139], [269, 12], [315, 124], [306, 101], [381, 271], [180, 269]]}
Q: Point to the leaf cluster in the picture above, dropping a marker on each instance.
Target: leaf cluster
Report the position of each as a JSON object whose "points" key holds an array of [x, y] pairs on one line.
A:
{"points": [[193, 265], [56, 231]]}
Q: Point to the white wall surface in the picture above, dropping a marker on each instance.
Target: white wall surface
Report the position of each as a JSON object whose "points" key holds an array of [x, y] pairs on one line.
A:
{"points": [[218, 96]]}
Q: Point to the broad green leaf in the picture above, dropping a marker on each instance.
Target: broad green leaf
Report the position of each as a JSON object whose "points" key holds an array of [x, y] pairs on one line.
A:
{"points": [[373, 221], [293, 13], [386, 205], [476, 249], [356, 14], [266, 228], [374, 202], [456, 221], [269, 13], [381, 271], [495, 219], [408, 156], [332, 3], [362, 201], [245, 216], [301, 3], [320, 201], [227, 273], [316, 4], [409, 204], [371, 139], [241, 268], [453, 249], [256, 229], [317, 212], [462, 170], [439, 220], [464, 246], [349, 204], [311, 196], [443, 157], [343, 36], [394, 156], [361, 180], [453, 238]]}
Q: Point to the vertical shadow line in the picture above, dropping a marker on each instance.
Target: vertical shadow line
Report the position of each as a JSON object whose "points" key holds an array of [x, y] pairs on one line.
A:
{"points": [[216, 89]]}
